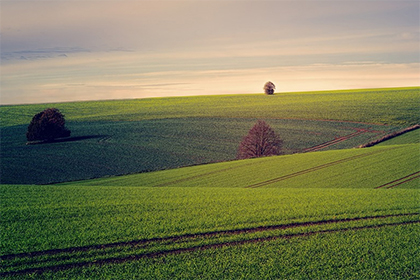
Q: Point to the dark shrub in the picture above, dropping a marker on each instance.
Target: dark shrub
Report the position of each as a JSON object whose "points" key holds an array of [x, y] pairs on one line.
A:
{"points": [[47, 126]]}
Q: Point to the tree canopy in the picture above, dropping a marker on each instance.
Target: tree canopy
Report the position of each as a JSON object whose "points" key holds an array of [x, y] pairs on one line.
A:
{"points": [[261, 141], [269, 88], [47, 126]]}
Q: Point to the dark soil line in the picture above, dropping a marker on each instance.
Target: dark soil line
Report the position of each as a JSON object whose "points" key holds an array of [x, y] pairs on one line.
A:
{"points": [[191, 236], [312, 169], [302, 119], [335, 141], [118, 260], [251, 163], [405, 181], [398, 181], [390, 136], [200, 175]]}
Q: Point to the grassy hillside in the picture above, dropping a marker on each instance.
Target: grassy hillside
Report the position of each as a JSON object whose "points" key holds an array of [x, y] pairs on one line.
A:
{"points": [[99, 149], [395, 106], [151, 224], [409, 137], [131, 136], [324, 213]]}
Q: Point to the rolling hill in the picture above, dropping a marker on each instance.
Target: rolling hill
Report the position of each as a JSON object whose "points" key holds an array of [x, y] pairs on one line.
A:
{"points": [[329, 211], [130, 136]]}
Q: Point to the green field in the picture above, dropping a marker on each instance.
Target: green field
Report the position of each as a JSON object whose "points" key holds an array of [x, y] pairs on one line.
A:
{"points": [[394, 106], [331, 213], [169, 214], [122, 137]]}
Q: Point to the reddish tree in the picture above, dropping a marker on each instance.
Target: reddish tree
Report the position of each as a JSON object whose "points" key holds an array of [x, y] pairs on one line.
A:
{"points": [[47, 126], [261, 141]]}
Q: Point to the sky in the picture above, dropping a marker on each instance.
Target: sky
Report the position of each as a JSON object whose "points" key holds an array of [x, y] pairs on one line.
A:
{"points": [[70, 50]]}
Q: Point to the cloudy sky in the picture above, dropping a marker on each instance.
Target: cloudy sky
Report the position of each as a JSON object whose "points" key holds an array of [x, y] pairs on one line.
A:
{"points": [[67, 50]]}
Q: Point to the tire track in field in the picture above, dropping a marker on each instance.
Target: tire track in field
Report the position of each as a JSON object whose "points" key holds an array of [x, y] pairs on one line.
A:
{"points": [[315, 168], [117, 260], [358, 132], [186, 238], [181, 180], [400, 181], [204, 234]]}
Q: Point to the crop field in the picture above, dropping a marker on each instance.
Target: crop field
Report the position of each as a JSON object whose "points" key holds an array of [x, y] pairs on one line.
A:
{"points": [[99, 149], [122, 137], [393, 106], [323, 210], [153, 224]]}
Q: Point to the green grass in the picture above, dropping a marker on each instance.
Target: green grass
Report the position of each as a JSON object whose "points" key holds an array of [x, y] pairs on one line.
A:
{"points": [[115, 148], [396, 106], [130, 136], [406, 138], [318, 215], [327, 188], [363, 254], [354, 168]]}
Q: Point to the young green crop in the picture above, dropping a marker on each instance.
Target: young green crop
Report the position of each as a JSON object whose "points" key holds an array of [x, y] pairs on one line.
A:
{"points": [[310, 215], [363, 254], [353, 168], [98, 149], [396, 106], [208, 198]]}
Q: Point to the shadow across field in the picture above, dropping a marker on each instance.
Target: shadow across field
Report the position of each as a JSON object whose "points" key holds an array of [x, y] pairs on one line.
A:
{"points": [[108, 148], [69, 139]]}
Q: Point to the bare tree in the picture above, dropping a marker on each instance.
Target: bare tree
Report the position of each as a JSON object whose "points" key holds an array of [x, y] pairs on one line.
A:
{"points": [[269, 88], [261, 141]]}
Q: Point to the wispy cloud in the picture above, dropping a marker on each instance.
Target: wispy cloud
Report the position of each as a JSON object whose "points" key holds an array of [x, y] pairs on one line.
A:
{"points": [[71, 50]]}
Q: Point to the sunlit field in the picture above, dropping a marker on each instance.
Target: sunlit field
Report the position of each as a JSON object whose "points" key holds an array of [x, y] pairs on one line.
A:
{"points": [[324, 209]]}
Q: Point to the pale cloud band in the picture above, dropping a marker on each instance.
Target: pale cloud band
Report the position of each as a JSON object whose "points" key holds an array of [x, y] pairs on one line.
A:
{"points": [[133, 49]]}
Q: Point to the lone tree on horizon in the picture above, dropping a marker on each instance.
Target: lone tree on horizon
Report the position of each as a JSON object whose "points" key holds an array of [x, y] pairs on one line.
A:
{"points": [[269, 88], [47, 126], [261, 141]]}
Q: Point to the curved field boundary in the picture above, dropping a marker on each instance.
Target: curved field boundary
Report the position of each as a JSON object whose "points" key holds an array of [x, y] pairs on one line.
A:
{"points": [[186, 179], [335, 141], [390, 136], [400, 181], [312, 169], [115, 260]]}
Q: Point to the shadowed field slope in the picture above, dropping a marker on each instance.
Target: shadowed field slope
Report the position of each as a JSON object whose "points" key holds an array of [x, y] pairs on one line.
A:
{"points": [[96, 227], [98, 149], [354, 168], [131, 136], [330, 214]]}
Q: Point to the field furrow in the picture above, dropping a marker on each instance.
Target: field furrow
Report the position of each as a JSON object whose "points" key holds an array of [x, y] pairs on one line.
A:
{"points": [[62, 259], [400, 181], [312, 169], [335, 141]]}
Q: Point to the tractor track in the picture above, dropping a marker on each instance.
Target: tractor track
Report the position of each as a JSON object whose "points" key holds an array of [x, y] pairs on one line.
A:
{"points": [[400, 181], [359, 131], [335, 141], [186, 238], [312, 169], [193, 177]]}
